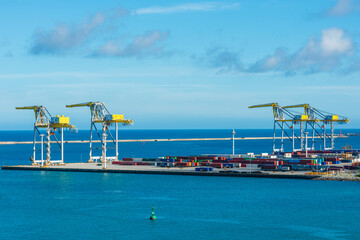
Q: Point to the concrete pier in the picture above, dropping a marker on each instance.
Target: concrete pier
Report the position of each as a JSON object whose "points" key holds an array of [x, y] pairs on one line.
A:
{"points": [[97, 167]]}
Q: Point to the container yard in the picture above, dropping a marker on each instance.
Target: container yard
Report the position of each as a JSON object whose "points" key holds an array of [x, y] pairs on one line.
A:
{"points": [[319, 164]]}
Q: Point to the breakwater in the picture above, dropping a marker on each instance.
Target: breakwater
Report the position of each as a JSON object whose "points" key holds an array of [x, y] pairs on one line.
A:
{"points": [[154, 140]]}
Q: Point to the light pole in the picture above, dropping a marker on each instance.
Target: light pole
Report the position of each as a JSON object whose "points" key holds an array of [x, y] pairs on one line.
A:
{"points": [[306, 144], [233, 138], [42, 149]]}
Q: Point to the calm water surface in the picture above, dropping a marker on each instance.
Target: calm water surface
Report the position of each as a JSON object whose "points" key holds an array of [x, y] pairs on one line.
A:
{"points": [[59, 205]]}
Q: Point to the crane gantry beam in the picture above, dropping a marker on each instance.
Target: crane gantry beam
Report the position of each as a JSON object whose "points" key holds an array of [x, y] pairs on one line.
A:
{"points": [[100, 114], [314, 116], [43, 119], [310, 117]]}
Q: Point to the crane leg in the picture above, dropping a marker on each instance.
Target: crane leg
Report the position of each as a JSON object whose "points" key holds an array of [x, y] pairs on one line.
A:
{"points": [[48, 151], [90, 151], [117, 141], [103, 155], [34, 147]]}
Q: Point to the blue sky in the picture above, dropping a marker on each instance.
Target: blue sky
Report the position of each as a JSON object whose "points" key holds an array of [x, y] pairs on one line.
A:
{"points": [[179, 64]]}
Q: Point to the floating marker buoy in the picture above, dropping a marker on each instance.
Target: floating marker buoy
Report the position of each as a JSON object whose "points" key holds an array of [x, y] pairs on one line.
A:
{"points": [[153, 216]]}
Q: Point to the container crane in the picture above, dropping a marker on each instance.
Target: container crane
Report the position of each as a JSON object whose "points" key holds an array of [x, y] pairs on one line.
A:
{"points": [[315, 116], [308, 117], [100, 115], [282, 118], [44, 120], [330, 118]]}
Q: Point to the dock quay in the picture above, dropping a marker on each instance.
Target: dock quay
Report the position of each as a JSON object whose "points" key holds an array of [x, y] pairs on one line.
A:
{"points": [[98, 168]]}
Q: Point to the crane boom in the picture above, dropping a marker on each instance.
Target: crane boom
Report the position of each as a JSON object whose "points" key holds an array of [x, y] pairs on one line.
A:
{"points": [[265, 105], [28, 108], [86, 104], [42, 116], [278, 113], [305, 105]]}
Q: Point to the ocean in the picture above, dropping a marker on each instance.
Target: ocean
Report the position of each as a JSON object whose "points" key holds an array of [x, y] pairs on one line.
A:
{"points": [[68, 205]]}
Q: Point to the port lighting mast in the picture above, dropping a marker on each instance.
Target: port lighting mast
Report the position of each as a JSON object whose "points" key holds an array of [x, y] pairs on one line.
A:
{"points": [[100, 115], [44, 120]]}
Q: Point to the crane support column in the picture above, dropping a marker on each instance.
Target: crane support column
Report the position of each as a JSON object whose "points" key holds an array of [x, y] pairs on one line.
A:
{"points": [[62, 145], [116, 142], [332, 136], [324, 136], [48, 142], [282, 137], [293, 136], [274, 136], [301, 136], [34, 146], [313, 137], [103, 155], [90, 152]]}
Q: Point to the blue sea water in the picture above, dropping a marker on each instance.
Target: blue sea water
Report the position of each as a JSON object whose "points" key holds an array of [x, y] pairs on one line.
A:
{"points": [[64, 205]]}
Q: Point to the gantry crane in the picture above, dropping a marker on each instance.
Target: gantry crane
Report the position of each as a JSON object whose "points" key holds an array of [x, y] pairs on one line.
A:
{"points": [[282, 118], [44, 120], [308, 118], [100, 115], [315, 116]]}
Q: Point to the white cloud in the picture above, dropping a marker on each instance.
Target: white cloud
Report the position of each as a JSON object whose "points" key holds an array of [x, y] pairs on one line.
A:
{"points": [[325, 54], [334, 41], [142, 45], [203, 7]]}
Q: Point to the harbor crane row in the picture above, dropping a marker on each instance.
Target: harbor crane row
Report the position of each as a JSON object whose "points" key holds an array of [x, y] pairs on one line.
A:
{"points": [[100, 115], [44, 120]]}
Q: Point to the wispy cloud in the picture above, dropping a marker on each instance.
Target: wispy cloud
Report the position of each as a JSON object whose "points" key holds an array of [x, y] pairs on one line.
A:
{"points": [[68, 38], [146, 44], [221, 59], [343, 7], [64, 37], [321, 55], [87, 75], [189, 7]]}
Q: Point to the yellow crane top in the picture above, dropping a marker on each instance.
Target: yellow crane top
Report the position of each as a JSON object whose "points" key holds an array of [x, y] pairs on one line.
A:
{"points": [[43, 118], [303, 117], [100, 114]]}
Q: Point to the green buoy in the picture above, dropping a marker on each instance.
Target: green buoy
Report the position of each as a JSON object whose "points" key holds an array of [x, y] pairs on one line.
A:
{"points": [[153, 216]]}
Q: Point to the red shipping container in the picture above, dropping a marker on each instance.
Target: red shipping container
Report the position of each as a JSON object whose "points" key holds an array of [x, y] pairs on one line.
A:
{"points": [[127, 159]]}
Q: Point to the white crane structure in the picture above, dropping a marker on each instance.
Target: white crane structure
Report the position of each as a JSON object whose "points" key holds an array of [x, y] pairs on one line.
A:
{"points": [[100, 115], [44, 120]]}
